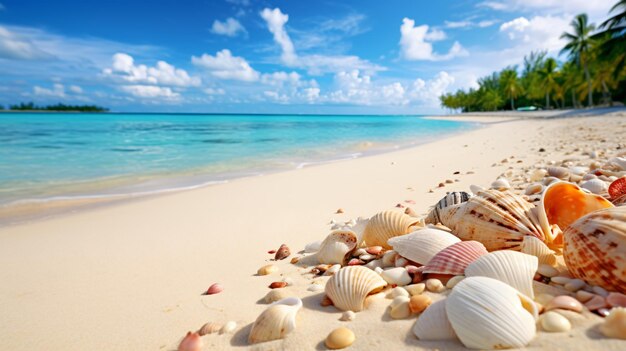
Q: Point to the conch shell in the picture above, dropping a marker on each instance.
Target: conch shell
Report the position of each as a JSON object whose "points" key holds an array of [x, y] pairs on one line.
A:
{"points": [[595, 248], [350, 286], [451, 199], [488, 314], [497, 219], [388, 224], [423, 244], [278, 320], [514, 268], [336, 248]]}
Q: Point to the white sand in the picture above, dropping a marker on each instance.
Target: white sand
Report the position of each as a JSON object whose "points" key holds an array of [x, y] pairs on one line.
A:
{"points": [[130, 276]]}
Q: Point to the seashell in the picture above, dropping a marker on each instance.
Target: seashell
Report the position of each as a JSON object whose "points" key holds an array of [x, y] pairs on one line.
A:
{"points": [[209, 328], [559, 172], [538, 175], [347, 316], [277, 285], [511, 267], [563, 203], [275, 295], [349, 287], [333, 269], [336, 248], [454, 281], [554, 322], [584, 296], [535, 247], [400, 309], [397, 291], [497, 219], [616, 299], [620, 162], [415, 289], [214, 289], [564, 302], [501, 184], [313, 288], [229, 327], [596, 186], [533, 189], [574, 285], [389, 258], [268, 269], [488, 314], [475, 189], [455, 258], [617, 188], [388, 224], [374, 250], [397, 276], [418, 303], [312, 247], [597, 302], [340, 338], [422, 245], [595, 249], [453, 198], [278, 320], [614, 325], [620, 201], [578, 170], [547, 270], [433, 324], [435, 285], [282, 252], [600, 291], [191, 342]]}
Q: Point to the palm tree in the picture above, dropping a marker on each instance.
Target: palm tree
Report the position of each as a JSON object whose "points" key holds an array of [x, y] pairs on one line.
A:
{"points": [[578, 46], [509, 81], [615, 32], [548, 75], [572, 80]]}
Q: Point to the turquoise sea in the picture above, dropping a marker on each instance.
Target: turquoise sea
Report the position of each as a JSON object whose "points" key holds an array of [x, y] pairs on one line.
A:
{"points": [[46, 156]]}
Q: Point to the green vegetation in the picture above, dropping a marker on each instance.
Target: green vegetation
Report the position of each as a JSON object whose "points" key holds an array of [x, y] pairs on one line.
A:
{"points": [[594, 72], [58, 107]]}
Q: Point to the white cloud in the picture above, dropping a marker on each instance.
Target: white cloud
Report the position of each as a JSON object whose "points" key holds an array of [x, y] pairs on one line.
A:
{"points": [[213, 91], [487, 23], [226, 66], [281, 78], [276, 20], [538, 33], [76, 89], [239, 2], [415, 43], [595, 8], [470, 24], [16, 46], [151, 92], [231, 27], [58, 91], [429, 91], [163, 73]]}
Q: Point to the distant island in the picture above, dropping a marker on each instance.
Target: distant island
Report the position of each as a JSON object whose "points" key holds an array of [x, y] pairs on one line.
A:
{"points": [[55, 108]]}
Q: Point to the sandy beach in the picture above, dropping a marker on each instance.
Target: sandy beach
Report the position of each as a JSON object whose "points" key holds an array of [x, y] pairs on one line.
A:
{"points": [[130, 276]]}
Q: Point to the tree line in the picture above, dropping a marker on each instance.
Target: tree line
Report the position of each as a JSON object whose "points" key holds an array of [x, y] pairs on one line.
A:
{"points": [[30, 106], [594, 72]]}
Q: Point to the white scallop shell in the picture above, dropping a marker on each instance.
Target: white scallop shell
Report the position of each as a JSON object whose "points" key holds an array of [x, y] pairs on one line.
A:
{"points": [[433, 324], [511, 267], [488, 314], [596, 186], [350, 286], [388, 224], [535, 247], [278, 320], [336, 248], [423, 244]]}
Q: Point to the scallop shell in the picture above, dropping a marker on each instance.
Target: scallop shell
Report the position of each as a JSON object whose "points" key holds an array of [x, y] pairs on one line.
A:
{"points": [[278, 320], [497, 219], [422, 245], [433, 324], [562, 203], [455, 258], [596, 186], [488, 314], [209, 328], [595, 248], [350, 286], [511, 267], [453, 198], [336, 248], [535, 247], [387, 224], [620, 201]]}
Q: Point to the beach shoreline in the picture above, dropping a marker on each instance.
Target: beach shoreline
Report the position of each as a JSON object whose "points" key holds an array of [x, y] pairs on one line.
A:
{"points": [[135, 271]]}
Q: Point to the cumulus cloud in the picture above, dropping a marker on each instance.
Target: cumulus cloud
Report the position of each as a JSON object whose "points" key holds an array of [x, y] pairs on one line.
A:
{"points": [[151, 91], [226, 66], [57, 90], [76, 89], [163, 73], [230, 28], [276, 20], [415, 43], [537, 33], [214, 91], [18, 47]]}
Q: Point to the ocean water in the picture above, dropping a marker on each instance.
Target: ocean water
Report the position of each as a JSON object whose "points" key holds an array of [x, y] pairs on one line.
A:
{"points": [[47, 156]]}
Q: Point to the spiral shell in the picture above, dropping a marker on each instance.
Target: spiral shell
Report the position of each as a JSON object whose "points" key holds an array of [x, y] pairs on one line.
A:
{"points": [[511, 267], [422, 245], [455, 258], [388, 224], [595, 248], [453, 198], [350, 286], [278, 320], [497, 219]]}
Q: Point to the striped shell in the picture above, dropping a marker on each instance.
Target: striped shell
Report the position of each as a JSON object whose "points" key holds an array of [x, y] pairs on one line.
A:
{"points": [[278, 320], [453, 198], [350, 286], [209, 328], [422, 245], [455, 258], [535, 247], [433, 324], [497, 219], [595, 249], [514, 268], [388, 224]]}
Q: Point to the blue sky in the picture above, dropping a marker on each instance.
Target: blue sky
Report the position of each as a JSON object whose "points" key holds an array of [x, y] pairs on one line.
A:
{"points": [[361, 56]]}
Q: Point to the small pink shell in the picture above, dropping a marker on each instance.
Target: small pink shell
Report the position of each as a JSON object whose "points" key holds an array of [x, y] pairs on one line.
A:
{"points": [[191, 342], [455, 258], [565, 302], [616, 299], [214, 289], [355, 262], [374, 250], [597, 302]]}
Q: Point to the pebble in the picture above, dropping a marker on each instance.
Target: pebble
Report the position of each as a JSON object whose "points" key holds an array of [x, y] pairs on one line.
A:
{"points": [[401, 309], [339, 210], [615, 299], [275, 295], [454, 281], [359, 252], [415, 289], [378, 270], [401, 261], [347, 316], [600, 291], [367, 257], [333, 269], [374, 250], [564, 302], [597, 302], [389, 258], [418, 303], [614, 325], [355, 262], [397, 291], [560, 280], [277, 285], [269, 269], [449, 181], [282, 253], [295, 260], [340, 338], [435, 285], [228, 327], [547, 271], [398, 276], [584, 296], [575, 285], [554, 322]]}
